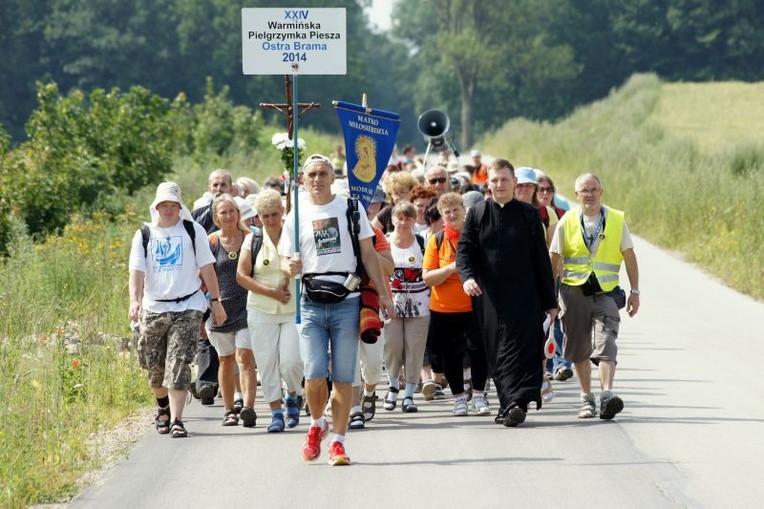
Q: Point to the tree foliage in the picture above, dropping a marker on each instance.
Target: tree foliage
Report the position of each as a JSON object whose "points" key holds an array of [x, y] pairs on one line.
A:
{"points": [[482, 61], [87, 153]]}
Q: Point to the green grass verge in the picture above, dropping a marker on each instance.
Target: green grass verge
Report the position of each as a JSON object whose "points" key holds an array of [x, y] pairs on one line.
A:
{"points": [[63, 377], [684, 161]]}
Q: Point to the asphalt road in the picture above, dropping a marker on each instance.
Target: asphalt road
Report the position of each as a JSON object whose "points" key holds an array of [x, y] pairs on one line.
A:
{"points": [[691, 433]]}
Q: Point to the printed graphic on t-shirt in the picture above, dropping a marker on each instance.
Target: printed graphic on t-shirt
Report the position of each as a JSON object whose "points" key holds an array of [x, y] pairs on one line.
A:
{"points": [[168, 253], [410, 293], [326, 233]]}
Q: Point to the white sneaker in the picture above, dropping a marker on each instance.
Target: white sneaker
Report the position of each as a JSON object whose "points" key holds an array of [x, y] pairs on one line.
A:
{"points": [[588, 407], [460, 407], [481, 405]]}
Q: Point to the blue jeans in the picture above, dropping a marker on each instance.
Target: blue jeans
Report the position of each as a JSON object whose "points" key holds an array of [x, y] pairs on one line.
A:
{"points": [[330, 325]]}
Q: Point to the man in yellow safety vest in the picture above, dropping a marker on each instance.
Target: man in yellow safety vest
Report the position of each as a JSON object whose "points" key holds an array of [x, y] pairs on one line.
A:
{"points": [[589, 244]]}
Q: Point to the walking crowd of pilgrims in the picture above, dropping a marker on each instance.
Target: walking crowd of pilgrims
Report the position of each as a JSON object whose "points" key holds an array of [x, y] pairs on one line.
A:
{"points": [[450, 281]]}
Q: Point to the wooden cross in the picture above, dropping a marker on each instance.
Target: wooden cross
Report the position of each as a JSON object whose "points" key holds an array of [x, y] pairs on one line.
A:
{"points": [[286, 108]]}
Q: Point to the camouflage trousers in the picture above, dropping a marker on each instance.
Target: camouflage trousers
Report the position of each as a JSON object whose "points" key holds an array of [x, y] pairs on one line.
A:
{"points": [[167, 345]]}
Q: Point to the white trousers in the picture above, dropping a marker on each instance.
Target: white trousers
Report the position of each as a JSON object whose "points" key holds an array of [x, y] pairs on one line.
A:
{"points": [[276, 345], [369, 365]]}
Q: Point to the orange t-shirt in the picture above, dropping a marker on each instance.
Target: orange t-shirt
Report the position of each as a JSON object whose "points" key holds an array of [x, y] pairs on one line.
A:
{"points": [[480, 175], [381, 243], [448, 296]]}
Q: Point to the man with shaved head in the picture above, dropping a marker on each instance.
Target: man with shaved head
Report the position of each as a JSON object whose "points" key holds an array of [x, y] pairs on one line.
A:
{"points": [[219, 182]]}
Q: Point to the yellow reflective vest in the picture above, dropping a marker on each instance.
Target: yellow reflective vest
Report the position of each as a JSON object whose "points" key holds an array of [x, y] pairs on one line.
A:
{"points": [[578, 262]]}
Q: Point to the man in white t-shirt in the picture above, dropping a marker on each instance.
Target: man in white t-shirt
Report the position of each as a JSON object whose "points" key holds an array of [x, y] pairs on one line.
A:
{"points": [[326, 256], [589, 243], [166, 296]]}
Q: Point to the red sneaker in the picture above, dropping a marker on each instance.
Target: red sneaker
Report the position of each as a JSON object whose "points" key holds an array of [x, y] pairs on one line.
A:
{"points": [[311, 450], [337, 454]]}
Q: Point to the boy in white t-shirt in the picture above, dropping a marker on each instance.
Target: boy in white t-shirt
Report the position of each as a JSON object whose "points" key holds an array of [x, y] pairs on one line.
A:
{"points": [[166, 296]]}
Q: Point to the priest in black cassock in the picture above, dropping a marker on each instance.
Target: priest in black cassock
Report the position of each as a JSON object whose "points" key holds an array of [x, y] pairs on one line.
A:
{"points": [[504, 265]]}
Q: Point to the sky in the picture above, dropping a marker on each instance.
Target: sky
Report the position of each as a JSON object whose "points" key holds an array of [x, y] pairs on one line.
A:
{"points": [[379, 14]]}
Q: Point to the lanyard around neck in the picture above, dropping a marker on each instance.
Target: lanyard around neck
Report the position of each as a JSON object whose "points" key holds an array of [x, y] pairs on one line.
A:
{"points": [[598, 231]]}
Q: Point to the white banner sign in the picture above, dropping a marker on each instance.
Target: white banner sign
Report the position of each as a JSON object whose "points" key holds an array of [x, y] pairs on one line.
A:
{"points": [[294, 40]]}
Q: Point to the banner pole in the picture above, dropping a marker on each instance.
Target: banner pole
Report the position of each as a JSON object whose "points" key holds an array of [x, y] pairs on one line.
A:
{"points": [[295, 200]]}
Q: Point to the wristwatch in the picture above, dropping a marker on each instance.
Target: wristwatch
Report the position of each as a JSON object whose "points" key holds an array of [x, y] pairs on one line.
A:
{"points": [[635, 292], [217, 299]]}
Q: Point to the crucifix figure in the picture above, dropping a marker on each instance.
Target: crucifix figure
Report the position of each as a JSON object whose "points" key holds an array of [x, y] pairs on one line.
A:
{"points": [[287, 108]]}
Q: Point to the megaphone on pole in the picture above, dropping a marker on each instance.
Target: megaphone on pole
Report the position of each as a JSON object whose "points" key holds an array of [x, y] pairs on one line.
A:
{"points": [[434, 124]]}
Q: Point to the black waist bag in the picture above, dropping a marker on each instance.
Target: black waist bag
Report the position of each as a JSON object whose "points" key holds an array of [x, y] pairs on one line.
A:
{"points": [[592, 287], [323, 291], [619, 295]]}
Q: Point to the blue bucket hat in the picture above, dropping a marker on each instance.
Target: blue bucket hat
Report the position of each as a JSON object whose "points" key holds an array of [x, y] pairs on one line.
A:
{"points": [[526, 175]]}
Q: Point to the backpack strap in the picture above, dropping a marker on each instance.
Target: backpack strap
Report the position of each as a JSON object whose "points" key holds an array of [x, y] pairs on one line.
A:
{"points": [[480, 211], [420, 241], [257, 244], [439, 239], [146, 233], [354, 227], [189, 226]]}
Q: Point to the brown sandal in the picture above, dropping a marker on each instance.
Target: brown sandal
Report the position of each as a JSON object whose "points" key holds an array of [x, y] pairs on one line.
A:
{"points": [[230, 418]]}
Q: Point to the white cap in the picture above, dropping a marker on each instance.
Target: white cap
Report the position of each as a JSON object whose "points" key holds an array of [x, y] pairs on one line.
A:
{"points": [[245, 209], [474, 153], [168, 191]]}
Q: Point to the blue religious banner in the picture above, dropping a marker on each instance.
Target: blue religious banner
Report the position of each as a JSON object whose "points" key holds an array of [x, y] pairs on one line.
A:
{"points": [[369, 141]]}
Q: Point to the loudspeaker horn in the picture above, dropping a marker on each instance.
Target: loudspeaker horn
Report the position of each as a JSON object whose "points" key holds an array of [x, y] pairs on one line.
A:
{"points": [[433, 124]]}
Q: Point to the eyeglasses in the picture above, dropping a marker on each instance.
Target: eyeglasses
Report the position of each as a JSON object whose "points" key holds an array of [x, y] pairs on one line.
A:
{"points": [[546, 189], [587, 192], [437, 180]]}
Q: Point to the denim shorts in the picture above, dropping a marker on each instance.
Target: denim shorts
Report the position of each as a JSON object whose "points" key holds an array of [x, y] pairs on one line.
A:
{"points": [[325, 327]]}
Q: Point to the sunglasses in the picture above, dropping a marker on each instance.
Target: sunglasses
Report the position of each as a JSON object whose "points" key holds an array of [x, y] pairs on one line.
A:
{"points": [[437, 180]]}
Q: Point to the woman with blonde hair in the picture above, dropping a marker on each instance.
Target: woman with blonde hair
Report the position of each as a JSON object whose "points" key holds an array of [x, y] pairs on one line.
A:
{"points": [[398, 187], [271, 313], [232, 335]]}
